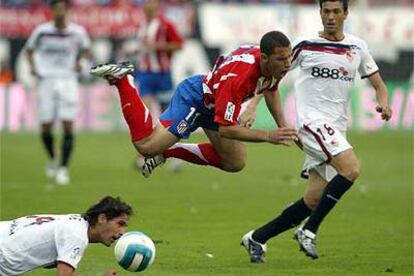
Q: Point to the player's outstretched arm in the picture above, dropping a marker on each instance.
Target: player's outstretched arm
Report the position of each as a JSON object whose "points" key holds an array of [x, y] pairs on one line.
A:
{"points": [[274, 105], [282, 136], [382, 96], [276, 136]]}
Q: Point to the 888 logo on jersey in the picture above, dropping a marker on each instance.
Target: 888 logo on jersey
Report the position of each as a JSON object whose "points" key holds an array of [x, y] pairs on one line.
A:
{"points": [[336, 74]]}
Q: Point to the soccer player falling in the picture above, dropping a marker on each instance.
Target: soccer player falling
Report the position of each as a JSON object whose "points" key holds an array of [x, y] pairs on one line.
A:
{"points": [[212, 102]]}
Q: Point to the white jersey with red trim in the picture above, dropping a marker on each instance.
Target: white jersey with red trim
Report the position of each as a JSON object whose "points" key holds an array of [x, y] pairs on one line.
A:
{"points": [[37, 241], [56, 51], [327, 71]]}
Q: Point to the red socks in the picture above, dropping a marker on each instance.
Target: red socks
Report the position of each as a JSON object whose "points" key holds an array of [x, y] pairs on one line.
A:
{"points": [[135, 112], [202, 154], [139, 121]]}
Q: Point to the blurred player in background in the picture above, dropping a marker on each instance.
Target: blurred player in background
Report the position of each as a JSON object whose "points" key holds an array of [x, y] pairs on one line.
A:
{"points": [[328, 62], [158, 39], [54, 51], [212, 102], [59, 241]]}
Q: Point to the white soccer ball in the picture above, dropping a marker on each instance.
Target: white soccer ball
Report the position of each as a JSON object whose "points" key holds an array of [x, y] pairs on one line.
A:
{"points": [[135, 251]]}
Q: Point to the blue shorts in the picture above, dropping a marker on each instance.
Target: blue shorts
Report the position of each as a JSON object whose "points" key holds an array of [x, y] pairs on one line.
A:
{"points": [[186, 111], [154, 83]]}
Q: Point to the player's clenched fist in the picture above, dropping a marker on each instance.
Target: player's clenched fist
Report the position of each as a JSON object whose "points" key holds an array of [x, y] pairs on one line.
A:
{"points": [[386, 112], [282, 136]]}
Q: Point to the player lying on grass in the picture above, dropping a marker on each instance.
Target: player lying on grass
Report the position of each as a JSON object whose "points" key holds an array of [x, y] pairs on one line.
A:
{"points": [[48, 241], [212, 102]]}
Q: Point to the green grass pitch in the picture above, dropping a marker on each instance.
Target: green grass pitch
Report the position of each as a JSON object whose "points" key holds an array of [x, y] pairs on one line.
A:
{"points": [[203, 211]]}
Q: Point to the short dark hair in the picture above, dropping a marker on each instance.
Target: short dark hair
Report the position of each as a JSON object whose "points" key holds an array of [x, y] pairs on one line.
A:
{"points": [[272, 40], [344, 3], [110, 206], [54, 2]]}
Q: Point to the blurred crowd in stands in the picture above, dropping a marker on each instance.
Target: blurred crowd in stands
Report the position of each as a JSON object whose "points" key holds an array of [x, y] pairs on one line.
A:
{"points": [[39, 3]]}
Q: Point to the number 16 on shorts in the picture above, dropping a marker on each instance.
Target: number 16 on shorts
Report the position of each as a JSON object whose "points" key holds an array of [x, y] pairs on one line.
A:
{"points": [[322, 140]]}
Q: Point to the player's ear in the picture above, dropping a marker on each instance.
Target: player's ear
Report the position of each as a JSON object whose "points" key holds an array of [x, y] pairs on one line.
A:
{"points": [[102, 218], [346, 13], [264, 57]]}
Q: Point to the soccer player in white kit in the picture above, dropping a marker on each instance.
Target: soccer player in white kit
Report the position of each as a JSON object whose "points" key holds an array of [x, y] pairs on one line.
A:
{"points": [[54, 52], [328, 62], [48, 241]]}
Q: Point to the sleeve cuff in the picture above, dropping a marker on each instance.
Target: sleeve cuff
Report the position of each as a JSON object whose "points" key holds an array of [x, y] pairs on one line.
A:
{"points": [[367, 76], [222, 122], [69, 264]]}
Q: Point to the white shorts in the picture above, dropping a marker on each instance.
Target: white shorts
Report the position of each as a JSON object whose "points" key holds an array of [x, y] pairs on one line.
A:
{"points": [[58, 99], [321, 141]]}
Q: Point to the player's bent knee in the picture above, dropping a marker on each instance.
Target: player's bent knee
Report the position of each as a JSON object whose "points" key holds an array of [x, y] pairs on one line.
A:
{"points": [[352, 173], [311, 201], [147, 150], [233, 166]]}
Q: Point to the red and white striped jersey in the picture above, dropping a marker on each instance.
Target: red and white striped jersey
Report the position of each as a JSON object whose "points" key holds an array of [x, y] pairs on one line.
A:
{"points": [[158, 30], [235, 78]]}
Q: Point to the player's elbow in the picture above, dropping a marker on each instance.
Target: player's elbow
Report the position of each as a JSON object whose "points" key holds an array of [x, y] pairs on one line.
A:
{"points": [[226, 132]]}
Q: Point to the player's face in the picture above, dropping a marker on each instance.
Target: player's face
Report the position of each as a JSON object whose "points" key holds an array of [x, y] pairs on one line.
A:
{"points": [[151, 7], [111, 230], [277, 64], [59, 10], [333, 17]]}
